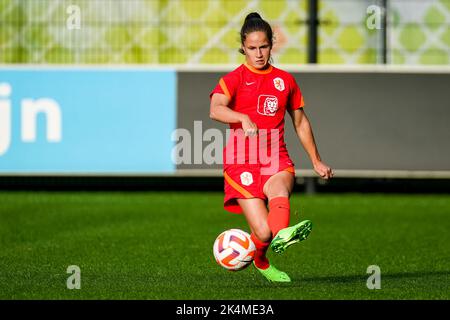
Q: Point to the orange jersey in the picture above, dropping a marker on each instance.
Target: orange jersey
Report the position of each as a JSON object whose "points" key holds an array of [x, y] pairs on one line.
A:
{"points": [[264, 95]]}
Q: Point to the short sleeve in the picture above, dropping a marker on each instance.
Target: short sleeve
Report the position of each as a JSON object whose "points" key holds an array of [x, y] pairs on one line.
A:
{"points": [[227, 85], [295, 96]]}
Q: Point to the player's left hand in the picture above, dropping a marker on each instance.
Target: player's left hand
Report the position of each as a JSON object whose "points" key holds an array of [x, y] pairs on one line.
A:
{"points": [[323, 170]]}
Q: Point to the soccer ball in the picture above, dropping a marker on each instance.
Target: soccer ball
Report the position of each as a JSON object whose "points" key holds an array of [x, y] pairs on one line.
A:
{"points": [[234, 250]]}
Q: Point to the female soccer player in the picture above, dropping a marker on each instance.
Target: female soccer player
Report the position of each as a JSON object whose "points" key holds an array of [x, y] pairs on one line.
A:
{"points": [[258, 171]]}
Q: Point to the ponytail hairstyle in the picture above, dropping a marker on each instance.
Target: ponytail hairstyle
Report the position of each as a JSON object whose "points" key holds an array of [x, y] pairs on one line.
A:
{"points": [[254, 22]]}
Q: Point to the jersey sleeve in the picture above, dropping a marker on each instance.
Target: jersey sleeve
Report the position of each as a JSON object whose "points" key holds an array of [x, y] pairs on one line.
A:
{"points": [[227, 85], [295, 96]]}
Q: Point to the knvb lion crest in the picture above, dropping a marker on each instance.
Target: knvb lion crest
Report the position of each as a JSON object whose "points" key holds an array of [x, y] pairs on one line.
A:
{"points": [[246, 178], [278, 83]]}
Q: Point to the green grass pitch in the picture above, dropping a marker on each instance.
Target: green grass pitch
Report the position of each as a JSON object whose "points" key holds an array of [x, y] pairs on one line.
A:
{"points": [[158, 245]]}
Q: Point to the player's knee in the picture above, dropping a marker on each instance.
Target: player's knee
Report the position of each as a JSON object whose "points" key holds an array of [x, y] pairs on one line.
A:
{"points": [[284, 194], [274, 189], [263, 233]]}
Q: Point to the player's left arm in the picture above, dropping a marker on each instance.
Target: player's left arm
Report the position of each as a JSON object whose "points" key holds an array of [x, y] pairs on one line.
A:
{"points": [[305, 134]]}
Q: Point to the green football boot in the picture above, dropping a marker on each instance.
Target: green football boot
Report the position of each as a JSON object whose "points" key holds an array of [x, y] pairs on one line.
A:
{"points": [[290, 235], [273, 274]]}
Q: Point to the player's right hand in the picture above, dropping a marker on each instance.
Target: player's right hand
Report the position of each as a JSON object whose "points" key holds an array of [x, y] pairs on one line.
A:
{"points": [[249, 127]]}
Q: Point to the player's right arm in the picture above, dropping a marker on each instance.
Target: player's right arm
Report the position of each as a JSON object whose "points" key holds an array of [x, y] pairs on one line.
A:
{"points": [[220, 111]]}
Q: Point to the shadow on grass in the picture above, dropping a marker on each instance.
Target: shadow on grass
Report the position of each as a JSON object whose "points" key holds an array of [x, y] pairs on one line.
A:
{"points": [[389, 276], [348, 279]]}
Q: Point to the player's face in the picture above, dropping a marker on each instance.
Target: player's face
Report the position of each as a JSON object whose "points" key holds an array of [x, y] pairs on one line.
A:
{"points": [[257, 49]]}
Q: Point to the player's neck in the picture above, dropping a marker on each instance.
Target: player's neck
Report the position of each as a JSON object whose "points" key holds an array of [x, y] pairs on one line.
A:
{"points": [[265, 70]]}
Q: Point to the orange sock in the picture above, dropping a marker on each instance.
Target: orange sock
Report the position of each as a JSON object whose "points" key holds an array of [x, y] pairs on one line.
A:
{"points": [[279, 213], [260, 258]]}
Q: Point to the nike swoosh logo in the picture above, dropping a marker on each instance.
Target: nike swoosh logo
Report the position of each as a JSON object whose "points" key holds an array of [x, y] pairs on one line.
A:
{"points": [[249, 83]]}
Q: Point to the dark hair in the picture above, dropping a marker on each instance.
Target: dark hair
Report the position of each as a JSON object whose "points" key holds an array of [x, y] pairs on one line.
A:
{"points": [[254, 22]]}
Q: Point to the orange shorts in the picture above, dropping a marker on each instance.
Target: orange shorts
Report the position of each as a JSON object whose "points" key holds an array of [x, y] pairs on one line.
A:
{"points": [[245, 181]]}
